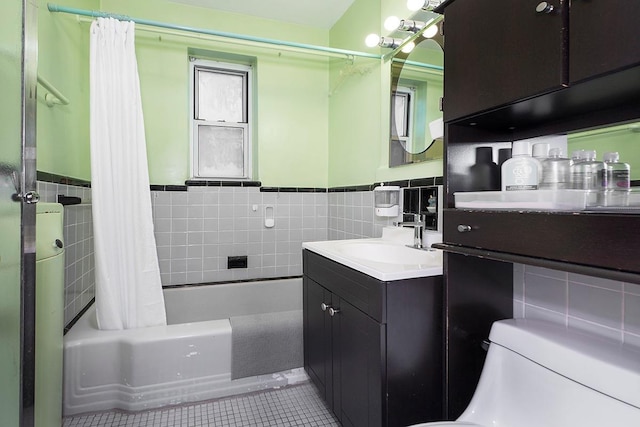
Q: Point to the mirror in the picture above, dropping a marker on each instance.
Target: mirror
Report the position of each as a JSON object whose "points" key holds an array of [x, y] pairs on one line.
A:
{"points": [[416, 89], [621, 138]]}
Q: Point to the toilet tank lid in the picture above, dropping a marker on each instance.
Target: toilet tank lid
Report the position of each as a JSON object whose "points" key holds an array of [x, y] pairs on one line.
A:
{"points": [[605, 365], [45, 207]]}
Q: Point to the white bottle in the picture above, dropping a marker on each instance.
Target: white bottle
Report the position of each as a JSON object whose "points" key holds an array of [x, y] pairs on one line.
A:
{"points": [[556, 171], [577, 156], [616, 180], [521, 171], [587, 174], [541, 150]]}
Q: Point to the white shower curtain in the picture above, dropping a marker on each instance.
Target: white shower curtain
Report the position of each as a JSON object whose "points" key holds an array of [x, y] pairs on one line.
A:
{"points": [[128, 287]]}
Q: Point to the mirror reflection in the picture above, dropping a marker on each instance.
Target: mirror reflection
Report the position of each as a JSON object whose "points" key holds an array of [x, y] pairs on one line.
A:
{"points": [[416, 89], [623, 139]]}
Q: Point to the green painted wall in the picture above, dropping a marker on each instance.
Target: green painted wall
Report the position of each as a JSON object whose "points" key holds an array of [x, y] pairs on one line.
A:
{"points": [[10, 251], [320, 121], [359, 112], [292, 93], [63, 60], [356, 96]]}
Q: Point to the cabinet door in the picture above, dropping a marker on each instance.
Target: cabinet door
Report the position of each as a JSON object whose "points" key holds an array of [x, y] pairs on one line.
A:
{"points": [[603, 37], [498, 52], [358, 357], [317, 338]]}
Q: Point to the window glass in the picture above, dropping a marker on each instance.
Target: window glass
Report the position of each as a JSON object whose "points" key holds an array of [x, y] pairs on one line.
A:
{"points": [[221, 125], [221, 151], [220, 96]]}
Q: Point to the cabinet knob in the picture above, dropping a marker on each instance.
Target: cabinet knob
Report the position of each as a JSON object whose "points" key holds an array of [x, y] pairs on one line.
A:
{"points": [[544, 7], [324, 306], [463, 228], [333, 311]]}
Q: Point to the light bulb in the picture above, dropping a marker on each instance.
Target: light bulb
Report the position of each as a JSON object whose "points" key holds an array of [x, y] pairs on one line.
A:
{"points": [[414, 5], [408, 47], [372, 40], [430, 32], [429, 5], [391, 23]]}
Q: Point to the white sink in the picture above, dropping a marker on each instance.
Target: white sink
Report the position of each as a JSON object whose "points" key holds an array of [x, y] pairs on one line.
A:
{"points": [[389, 253], [382, 258]]}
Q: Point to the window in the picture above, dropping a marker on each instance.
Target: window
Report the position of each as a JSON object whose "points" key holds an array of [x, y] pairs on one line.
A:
{"points": [[220, 138], [402, 116]]}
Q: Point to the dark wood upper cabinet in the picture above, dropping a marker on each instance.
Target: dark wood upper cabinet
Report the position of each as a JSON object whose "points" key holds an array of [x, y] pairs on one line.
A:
{"points": [[511, 66], [500, 51], [603, 37]]}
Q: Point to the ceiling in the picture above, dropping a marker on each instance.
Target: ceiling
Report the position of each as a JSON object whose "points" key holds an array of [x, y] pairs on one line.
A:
{"points": [[311, 13]]}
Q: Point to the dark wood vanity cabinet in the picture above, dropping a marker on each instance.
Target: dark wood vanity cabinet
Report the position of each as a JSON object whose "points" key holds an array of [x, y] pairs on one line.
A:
{"points": [[513, 73], [372, 348]]}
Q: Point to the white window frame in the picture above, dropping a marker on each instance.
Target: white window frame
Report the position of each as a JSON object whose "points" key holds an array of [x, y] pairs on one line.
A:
{"points": [[246, 71], [404, 135]]}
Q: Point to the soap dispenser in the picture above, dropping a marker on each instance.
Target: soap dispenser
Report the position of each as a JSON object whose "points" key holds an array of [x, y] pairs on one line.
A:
{"points": [[386, 200]]}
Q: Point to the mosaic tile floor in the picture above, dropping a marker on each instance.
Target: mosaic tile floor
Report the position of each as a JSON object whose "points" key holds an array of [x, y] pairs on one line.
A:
{"points": [[299, 405]]}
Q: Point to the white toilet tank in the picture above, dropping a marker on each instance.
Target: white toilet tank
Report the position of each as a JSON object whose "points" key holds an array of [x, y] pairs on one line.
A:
{"points": [[538, 374]]}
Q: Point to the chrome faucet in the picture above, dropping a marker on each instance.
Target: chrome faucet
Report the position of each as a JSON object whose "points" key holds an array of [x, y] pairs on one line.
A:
{"points": [[418, 226]]}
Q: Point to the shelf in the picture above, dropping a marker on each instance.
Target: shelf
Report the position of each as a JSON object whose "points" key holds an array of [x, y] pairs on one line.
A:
{"points": [[604, 241], [588, 270]]}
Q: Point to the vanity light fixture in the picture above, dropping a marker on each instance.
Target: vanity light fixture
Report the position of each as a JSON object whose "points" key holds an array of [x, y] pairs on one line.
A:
{"points": [[394, 23], [428, 5], [430, 32], [389, 42], [408, 47]]}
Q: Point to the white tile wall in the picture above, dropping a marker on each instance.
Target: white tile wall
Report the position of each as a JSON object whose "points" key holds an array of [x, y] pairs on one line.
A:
{"points": [[197, 230], [79, 287], [351, 216], [605, 307]]}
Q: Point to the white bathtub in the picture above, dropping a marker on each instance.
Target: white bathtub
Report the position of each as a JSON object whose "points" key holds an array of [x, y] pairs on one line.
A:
{"points": [[188, 360]]}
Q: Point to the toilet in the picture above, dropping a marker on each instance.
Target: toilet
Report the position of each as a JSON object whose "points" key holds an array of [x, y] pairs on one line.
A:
{"points": [[539, 374]]}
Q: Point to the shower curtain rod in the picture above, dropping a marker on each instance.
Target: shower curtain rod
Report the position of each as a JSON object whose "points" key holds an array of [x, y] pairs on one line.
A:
{"points": [[97, 14]]}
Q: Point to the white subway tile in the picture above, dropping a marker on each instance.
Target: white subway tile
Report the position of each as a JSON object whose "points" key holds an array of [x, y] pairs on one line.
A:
{"points": [[597, 305], [596, 281], [546, 292]]}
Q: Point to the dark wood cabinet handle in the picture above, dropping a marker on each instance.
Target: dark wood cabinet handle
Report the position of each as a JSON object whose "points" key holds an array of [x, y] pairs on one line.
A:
{"points": [[462, 228], [544, 7]]}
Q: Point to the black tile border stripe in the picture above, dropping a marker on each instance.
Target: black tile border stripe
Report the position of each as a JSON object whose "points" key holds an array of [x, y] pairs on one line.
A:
{"points": [[226, 282], [292, 190], [78, 316], [61, 179], [418, 182], [204, 183]]}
